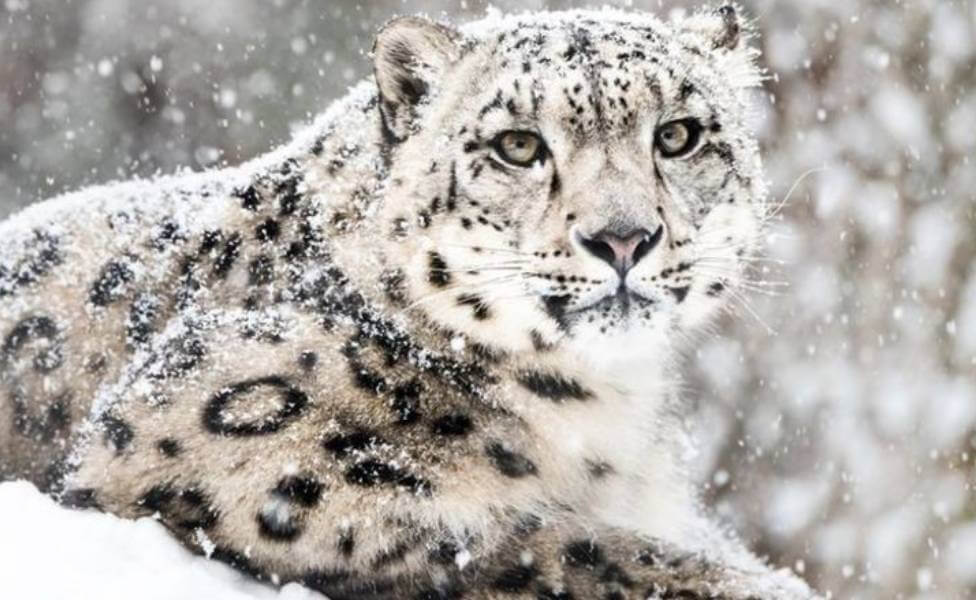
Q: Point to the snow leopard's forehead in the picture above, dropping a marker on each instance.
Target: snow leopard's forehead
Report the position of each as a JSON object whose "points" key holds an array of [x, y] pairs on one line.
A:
{"points": [[608, 46]]}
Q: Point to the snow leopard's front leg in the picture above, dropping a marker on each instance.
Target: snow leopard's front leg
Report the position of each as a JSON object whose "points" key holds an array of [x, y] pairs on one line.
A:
{"points": [[563, 562]]}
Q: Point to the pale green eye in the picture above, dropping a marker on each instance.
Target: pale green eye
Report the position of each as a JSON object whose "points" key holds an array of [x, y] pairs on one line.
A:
{"points": [[677, 137], [520, 148]]}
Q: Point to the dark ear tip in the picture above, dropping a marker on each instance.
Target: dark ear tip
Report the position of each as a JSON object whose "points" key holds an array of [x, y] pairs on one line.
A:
{"points": [[729, 38]]}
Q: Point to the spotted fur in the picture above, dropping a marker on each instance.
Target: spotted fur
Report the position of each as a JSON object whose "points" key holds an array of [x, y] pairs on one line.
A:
{"points": [[388, 361]]}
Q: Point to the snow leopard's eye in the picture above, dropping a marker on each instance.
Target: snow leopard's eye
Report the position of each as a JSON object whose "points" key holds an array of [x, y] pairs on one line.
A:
{"points": [[677, 138], [520, 148]]}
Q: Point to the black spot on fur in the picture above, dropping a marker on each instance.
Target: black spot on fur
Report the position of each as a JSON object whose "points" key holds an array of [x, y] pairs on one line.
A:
{"points": [[117, 432], [515, 579], [539, 344], [267, 231], [48, 359], [293, 403], [583, 554], [394, 285], [452, 188], [288, 196], [307, 360], [275, 529], [555, 307], [237, 561], [79, 498], [210, 240], [169, 447], [372, 472], [342, 445], [510, 464], [438, 274], [41, 253], [185, 508], [250, 199], [368, 379], [54, 416], [598, 469], [142, 319], [553, 387], [614, 573], [406, 402], [261, 270], [680, 293], [452, 425], [347, 542], [479, 309], [444, 553], [110, 284], [225, 261], [179, 356], [715, 289], [24, 331], [301, 489], [165, 233], [528, 524]]}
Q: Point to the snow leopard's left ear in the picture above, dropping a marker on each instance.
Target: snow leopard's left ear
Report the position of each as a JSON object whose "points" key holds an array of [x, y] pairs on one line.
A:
{"points": [[723, 28], [410, 57], [724, 32]]}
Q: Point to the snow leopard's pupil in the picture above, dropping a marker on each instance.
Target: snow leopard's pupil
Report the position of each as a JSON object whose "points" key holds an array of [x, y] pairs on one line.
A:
{"points": [[679, 137], [520, 148]]}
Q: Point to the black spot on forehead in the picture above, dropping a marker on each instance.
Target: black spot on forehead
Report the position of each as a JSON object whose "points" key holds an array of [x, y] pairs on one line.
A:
{"points": [[609, 64]]}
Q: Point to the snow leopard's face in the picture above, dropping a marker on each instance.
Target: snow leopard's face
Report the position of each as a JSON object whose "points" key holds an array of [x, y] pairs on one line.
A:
{"points": [[582, 180]]}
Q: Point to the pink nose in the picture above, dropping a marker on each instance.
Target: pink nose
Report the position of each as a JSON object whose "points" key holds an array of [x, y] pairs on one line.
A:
{"points": [[622, 252]]}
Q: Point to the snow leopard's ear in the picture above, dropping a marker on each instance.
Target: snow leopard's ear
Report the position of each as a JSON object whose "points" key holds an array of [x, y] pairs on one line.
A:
{"points": [[723, 27], [724, 32], [410, 56]]}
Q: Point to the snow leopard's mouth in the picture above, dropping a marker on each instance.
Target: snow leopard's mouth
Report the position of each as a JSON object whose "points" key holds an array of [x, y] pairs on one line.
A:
{"points": [[621, 303], [624, 300]]}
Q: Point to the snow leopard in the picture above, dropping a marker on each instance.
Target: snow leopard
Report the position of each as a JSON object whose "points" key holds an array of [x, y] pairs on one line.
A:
{"points": [[430, 348]]}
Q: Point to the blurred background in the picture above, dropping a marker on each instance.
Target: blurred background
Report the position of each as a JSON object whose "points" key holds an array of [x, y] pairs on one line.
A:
{"points": [[837, 416]]}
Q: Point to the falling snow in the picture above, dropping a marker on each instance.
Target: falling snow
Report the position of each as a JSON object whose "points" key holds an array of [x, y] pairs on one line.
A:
{"points": [[842, 444]]}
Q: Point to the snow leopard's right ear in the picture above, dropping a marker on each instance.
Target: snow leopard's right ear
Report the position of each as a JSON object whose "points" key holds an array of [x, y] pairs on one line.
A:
{"points": [[410, 56]]}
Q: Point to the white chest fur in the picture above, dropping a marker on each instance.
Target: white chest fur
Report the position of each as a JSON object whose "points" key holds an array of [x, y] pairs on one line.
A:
{"points": [[614, 456]]}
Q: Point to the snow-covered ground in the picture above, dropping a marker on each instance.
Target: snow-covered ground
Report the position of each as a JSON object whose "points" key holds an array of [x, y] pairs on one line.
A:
{"points": [[51, 553]]}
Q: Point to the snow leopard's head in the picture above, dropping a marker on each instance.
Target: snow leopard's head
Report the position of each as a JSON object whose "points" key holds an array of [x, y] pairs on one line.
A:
{"points": [[582, 179]]}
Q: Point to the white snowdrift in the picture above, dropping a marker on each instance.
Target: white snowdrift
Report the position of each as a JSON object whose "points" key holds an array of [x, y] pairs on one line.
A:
{"points": [[51, 553]]}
